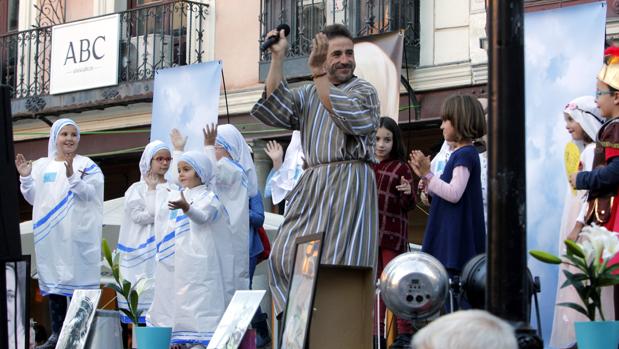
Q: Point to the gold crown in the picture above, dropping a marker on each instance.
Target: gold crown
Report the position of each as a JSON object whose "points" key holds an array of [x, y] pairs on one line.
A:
{"points": [[609, 74]]}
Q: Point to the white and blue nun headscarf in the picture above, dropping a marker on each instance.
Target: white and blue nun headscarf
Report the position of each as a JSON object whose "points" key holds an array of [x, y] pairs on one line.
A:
{"points": [[231, 139], [149, 152], [200, 163], [53, 135]]}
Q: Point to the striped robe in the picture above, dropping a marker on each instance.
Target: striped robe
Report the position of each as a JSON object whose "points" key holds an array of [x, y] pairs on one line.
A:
{"points": [[336, 195]]}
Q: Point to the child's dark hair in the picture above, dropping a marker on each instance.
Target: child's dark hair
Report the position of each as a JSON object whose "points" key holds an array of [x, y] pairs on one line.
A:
{"points": [[466, 116], [398, 152], [335, 30]]}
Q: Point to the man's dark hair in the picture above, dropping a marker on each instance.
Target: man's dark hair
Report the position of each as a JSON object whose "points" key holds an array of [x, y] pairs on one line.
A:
{"points": [[335, 30]]}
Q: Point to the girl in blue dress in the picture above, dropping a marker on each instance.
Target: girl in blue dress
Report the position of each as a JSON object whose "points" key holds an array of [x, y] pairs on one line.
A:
{"points": [[456, 231]]}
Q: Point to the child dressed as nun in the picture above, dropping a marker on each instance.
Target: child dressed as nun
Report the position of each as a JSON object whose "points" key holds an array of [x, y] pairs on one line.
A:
{"points": [[66, 192], [136, 241], [197, 294]]}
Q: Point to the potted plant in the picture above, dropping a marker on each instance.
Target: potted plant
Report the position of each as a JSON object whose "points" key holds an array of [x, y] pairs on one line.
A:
{"points": [[591, 260], [131, 294]]}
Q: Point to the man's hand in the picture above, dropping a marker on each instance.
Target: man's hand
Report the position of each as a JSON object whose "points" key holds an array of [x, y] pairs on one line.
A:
{"points": [[318, 56], [24, 167], [210, 134], [178, 141], [278, 49], [275, 151]]}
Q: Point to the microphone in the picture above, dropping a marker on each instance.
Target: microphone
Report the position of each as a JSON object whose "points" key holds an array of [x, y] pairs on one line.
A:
{"points": [[271, 40]]}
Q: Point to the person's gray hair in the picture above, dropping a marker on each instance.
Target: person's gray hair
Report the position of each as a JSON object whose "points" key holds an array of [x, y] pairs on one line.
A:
{"points": [[466, 329]]}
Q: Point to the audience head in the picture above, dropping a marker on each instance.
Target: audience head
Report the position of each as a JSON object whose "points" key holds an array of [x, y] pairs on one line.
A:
{"points": [[466, 329]]}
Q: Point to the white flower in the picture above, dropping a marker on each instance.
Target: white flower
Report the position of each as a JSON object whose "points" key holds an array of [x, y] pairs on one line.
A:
{"points": [[599, 243]]}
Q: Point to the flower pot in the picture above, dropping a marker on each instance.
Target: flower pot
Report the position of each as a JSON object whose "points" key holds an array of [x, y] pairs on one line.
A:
{"points": [[597, 334], [153, 337]]}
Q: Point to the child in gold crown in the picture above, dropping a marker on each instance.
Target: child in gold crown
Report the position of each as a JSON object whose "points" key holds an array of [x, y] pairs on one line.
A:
{"points": [[603, 181]]}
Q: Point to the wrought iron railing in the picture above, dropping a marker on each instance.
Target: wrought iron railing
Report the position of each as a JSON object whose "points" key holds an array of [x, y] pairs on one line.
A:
{"points": [[154, 37], [362, 17]]}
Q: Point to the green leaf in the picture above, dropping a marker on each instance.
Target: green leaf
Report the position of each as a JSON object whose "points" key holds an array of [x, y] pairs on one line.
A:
{"points": [[578, 308], [574, 249], [107, 253], [126, 312], [116, 273], [575, 280], [133, 297], [608, 281], [545, 257], [117, 259], [613, 268], [126, 288], [578, 277], [579, 263], [115, 288]]}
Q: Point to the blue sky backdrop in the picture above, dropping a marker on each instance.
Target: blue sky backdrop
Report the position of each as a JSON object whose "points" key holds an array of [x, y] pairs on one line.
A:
{"points": [[563, 54], [187, 98]]}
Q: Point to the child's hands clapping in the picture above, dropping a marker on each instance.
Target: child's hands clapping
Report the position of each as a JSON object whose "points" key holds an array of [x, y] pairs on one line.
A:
{"points": [[24, 167], [275, 151], [68, 164], [180, 203], [419, 163]]}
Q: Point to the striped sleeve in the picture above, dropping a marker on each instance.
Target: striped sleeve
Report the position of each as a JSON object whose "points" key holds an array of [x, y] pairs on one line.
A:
{"points": [[281, 109], [356, 111]]}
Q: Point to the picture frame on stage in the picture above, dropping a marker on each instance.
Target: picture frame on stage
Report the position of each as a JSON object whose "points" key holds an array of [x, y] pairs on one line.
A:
{"points": [[16, 285], [298, 312], [237, 317], [79, 317]]}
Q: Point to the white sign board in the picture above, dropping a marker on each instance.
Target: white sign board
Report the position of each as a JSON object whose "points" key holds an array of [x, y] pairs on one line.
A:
{"points": [[85, 54]]}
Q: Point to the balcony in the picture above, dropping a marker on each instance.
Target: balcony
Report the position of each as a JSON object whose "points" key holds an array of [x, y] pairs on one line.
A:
{"points": [[362, 17], [151, 38]]}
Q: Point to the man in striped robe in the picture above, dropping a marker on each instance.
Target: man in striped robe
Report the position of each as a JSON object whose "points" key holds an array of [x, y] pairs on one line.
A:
{"points": [[338, 117]]}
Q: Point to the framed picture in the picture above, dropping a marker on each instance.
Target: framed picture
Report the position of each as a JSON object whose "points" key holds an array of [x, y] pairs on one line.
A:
{"points": [[236, 319], [298, 313], [15, 283], [78, 320]]}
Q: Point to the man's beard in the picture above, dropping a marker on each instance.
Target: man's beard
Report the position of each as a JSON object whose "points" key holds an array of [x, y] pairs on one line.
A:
{"points": [[333, 72]]}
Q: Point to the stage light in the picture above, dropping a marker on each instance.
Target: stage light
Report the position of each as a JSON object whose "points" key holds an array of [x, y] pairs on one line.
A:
{"points": [[414, 286], [473, 284], [473, 281]]}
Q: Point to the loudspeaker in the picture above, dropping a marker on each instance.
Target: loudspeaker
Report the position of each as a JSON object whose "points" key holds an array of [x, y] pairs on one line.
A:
{"points": [[9, 209]]}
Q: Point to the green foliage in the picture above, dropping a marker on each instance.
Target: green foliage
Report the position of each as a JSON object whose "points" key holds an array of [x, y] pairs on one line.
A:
{"points": [[591, 272], [121, 286]]}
